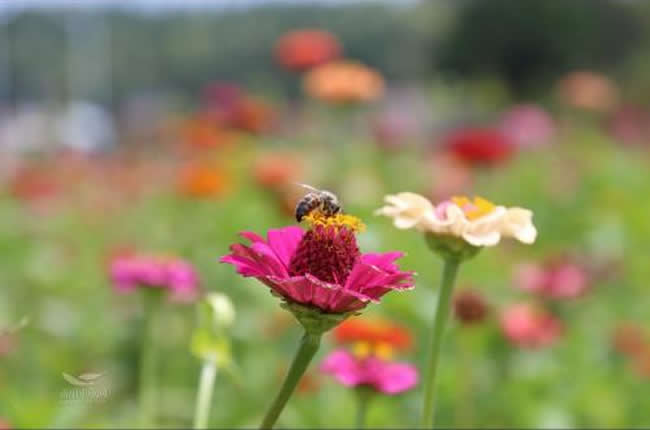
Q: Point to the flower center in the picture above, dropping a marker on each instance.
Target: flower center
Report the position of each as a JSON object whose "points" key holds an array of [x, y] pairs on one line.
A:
{"points": [[338, 220], [473, 209], [381, 350], [327, 252]]}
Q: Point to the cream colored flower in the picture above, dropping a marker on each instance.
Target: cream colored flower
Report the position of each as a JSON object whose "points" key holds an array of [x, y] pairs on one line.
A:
{"points": [[408, 210], [478, 221]]}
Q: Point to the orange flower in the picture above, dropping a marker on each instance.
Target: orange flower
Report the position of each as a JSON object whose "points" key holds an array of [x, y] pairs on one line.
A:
{"points": [[203, 132], [275, 171], [629, 340], [202, 181], [375, 332], [302, 49], [252, 115], [344, 82], [588, 90], [33, 183]]}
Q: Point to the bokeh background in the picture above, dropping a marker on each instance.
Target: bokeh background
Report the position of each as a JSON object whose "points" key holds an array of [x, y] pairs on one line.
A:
{"points": [[167, 127]]}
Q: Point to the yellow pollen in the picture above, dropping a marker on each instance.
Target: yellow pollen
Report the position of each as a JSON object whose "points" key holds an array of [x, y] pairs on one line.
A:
{"points": [[339, 220], [384, 351], [361, 350], [475, 209]]}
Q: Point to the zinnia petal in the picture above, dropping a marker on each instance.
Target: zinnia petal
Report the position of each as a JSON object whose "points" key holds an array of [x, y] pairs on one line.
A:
{"points": [[284, 242], [394, 378], [344, 367]]}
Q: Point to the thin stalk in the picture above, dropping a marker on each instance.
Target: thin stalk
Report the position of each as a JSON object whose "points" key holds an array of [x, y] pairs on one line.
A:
{"points": [[435, 341], [204, 395], [363, 399], [148, 364], [308, 347]]}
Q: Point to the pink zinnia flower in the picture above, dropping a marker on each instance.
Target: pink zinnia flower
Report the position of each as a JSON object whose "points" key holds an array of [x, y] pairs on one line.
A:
{"points": [[527, 326], [320, 268], [178, 276], [527, 125], [557, 279], [383, 376]]}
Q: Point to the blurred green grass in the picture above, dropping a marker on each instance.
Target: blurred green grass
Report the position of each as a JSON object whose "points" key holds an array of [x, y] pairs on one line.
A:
{"points": [[588, 196]]}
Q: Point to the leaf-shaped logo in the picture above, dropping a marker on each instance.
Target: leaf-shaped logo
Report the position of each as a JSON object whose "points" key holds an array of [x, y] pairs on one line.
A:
{"points": [[82, 380]]}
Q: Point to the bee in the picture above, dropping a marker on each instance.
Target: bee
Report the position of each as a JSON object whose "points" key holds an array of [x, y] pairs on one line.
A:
{"points": [[325, 201]]}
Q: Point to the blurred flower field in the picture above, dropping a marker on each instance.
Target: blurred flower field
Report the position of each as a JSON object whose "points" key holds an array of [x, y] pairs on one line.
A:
{"points": [[555, 334]]}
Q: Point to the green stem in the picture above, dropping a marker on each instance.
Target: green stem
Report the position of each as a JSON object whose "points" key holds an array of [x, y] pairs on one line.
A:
{"points": [[308, 347], [435, 341], [148, 364], [204, 395], [364, 394]]}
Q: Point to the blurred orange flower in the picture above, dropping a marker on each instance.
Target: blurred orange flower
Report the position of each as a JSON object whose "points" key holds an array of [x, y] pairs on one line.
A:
{"points": [[275, 171], [373, 331], [203, 181], [32, 183], [344, 82], [202, 131], [588, 90], [629, 339], [302, 49], [8, 343], [253, 116]]}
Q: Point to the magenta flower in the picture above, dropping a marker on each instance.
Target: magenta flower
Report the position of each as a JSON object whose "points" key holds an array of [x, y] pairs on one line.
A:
{"points": [[176, 275], [321, 268], [383, 376], [528, 326], [322, 277], [557, 279]]}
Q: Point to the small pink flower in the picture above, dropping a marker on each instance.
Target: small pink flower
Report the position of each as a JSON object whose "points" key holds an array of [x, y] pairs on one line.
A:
{"points": [[527, 125], [530, 327], [383, 376], [321, 268], [178, 276], [553, 279]]}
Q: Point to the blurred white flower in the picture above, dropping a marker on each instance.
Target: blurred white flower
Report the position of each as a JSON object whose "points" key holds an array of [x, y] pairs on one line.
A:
{"points": [[223, 311]]}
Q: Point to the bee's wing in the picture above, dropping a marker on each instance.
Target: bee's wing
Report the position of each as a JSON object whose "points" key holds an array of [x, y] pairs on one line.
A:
{"points": [[309, 187]]}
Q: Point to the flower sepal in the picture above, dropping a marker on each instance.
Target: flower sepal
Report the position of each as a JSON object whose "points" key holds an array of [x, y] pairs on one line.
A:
{"points": [[313, 320], [451, 247]]}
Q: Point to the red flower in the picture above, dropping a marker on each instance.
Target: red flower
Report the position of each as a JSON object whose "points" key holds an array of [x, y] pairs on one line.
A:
{"points": [[302, 49], [479, 146]]}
